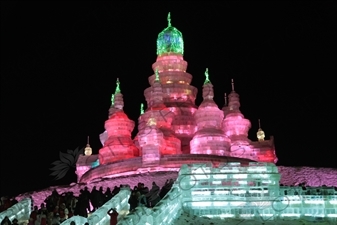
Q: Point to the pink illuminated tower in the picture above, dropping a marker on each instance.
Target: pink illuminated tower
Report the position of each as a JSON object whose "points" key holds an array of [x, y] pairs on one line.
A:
{"points": [[178, 95], [156, 123], [235, 126], [118, 145], [210, 138]]}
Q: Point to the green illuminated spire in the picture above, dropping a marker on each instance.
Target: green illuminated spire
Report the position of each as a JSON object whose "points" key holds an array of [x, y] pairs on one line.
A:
{"points": [[157, 75], [141, 108], [112, 99], [207, 81], [170, 40], [118, 90], [169, 19]]}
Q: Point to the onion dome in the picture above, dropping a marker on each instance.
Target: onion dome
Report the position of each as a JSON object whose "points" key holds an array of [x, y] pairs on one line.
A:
{"points": [[170, 40]]}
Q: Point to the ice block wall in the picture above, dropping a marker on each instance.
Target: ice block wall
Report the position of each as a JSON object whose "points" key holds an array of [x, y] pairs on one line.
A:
{"points": [[20, 210]]}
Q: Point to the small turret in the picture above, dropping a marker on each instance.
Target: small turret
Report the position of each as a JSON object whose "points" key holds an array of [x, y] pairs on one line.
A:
{"points": [[210, 138]]}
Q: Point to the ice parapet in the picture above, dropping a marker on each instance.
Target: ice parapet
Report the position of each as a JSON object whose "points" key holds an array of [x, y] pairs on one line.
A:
{"points": [[119, 202], [164, 213], [76, 219], [20, 210]]}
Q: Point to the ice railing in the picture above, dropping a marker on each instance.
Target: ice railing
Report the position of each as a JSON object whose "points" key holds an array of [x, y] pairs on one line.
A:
{"points": [[164, 213], [100, 216], [20, 210]]}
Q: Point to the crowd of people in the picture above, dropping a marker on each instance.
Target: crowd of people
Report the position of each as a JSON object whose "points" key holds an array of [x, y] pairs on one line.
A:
{"points": [[60, 207]]}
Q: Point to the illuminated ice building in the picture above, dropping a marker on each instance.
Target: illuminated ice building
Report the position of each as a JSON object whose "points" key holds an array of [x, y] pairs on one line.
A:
{"points": [[221, 172], [172, 130]]}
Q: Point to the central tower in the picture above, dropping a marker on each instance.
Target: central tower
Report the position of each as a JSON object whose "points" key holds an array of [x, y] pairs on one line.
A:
{"points": [[178, 95]]}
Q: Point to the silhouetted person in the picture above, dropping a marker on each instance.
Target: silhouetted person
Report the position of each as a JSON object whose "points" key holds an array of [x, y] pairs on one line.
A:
{"points": [[113, 216], [115, 191], [107, 195], [6, 221], [94, 197], [133, 201]]}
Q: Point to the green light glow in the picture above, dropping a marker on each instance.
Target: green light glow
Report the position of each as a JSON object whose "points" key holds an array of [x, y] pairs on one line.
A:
{"points": [[118, 90], [207, 81], [157, 75], [141, 108], [170, 40], [112, 99]]}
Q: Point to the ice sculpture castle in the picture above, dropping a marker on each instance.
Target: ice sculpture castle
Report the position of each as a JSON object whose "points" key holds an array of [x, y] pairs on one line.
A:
{"points": [[172, 130]]}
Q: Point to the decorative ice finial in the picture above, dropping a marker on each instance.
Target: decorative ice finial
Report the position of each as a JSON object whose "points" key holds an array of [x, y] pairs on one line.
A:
{"points": [[225, 99], [141, 108], [169, 19], [260, 133], [88, 149], [207, 77], [118, 90], [112, 99], [157, 75], [233, 85]]}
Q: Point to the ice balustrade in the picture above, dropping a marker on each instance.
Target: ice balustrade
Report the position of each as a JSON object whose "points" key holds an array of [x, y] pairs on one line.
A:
{"points": [[164, 213], [119, 202], [311, 202], [76, 219], [20, 210], [100, 216]]}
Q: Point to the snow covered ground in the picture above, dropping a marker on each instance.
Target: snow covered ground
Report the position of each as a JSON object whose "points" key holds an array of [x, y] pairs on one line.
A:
{"points": [[314, 177]]}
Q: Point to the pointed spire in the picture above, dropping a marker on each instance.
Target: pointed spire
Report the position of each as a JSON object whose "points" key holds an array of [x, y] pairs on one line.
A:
{"points": [[118, 90], [233, 85], [259, 124], [88, 145], [207, 81], [157, 75], [226, 103], [169, 19], [141, 108]]}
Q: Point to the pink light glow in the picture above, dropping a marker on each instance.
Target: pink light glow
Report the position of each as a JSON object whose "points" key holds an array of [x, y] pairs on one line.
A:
{"points": [[119, 144]]}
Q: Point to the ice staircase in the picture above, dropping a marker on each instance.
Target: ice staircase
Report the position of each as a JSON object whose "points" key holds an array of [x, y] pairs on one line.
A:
{"points": [[20, 211], [232, 190], [100, 216]]}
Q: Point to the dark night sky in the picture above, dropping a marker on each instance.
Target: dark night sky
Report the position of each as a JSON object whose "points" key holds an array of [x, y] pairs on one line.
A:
{"points": [[60, 61]]}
